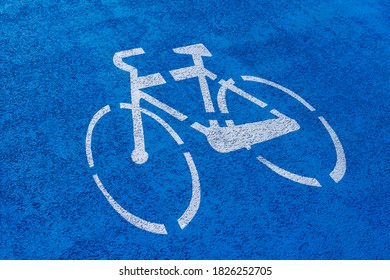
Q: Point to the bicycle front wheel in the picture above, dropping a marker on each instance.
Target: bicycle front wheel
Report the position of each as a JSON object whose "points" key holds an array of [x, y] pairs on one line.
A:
{"points": [[143, 194]]}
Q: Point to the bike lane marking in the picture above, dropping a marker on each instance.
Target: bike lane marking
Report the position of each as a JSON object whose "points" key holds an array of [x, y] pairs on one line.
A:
{"points": [[88, 140], [192, 209], [136, 221], [289, 175], [282, 88], [341, 164]]}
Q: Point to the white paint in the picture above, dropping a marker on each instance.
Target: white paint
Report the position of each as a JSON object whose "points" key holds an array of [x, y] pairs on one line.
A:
{"points": [[234, 137], [173, 112], [141, 82], [119, 56], [193, 207], [226, 144], [341, 165], [197, 49], [170, 130], [132, 219], [198, 70], [88, 140], [291, 176], [229, 84], [229, 122], [157, 228], [223, 139], [282, 88], [137, 82], [139, 154]]}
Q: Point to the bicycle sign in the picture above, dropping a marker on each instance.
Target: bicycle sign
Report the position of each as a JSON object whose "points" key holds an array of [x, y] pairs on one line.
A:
{"points": [[223, 139]]}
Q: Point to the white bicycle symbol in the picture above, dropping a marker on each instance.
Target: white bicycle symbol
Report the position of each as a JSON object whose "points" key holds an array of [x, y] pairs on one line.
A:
{"points": [[223, 139]]}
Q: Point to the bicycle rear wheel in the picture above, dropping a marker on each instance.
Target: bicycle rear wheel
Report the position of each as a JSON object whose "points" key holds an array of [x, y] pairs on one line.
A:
{"points": [[339, 169]]}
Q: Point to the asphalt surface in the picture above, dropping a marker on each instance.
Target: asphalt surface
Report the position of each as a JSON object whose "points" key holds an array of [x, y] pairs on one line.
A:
{"points": [[57, 71]]}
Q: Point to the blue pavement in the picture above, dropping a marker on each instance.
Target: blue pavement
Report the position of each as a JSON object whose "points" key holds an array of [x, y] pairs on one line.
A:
{"points": [[57, 71]]}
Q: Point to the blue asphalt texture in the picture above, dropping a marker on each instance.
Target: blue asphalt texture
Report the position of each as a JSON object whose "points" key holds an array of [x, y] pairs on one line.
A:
{"points": [[57, 72]]}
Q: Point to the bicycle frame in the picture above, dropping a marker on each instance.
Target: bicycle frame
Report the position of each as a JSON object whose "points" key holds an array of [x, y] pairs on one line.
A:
{"points": [[222, 139], [233, 137], [139, 154]]}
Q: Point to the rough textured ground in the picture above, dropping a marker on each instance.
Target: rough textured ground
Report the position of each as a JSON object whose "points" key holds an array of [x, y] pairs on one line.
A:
{"points": [[57, 71]]}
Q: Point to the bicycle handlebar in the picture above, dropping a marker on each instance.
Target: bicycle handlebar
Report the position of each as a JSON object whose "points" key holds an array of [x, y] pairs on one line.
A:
{"points": [[119, 56]]}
